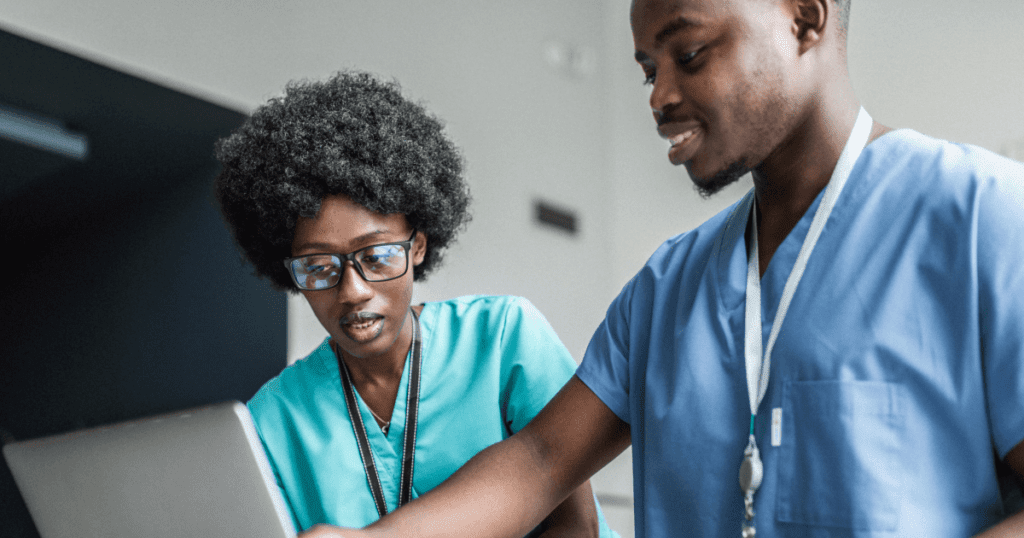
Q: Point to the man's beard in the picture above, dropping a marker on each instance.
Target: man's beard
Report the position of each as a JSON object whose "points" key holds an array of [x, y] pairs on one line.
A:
{"points": [[707, 189]]}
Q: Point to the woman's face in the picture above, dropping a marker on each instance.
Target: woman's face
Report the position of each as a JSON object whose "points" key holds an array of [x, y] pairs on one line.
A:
{"points": [[365, 319]]}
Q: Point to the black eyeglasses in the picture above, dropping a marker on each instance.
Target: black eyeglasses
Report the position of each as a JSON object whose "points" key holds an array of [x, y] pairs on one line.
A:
{"points": [[375, 263]]}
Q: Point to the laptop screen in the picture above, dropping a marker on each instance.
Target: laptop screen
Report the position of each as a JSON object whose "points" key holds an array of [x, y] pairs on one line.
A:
{"points": [[200, 472]]}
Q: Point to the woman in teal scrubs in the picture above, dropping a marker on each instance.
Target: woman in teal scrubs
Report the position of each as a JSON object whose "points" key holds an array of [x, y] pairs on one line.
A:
{"points": [[347, 193]]}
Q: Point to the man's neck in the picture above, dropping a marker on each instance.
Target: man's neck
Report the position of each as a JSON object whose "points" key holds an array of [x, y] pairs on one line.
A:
{"points": [[789, 180]]}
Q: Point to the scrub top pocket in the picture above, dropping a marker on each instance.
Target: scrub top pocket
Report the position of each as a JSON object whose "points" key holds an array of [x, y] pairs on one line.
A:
{"points": [[840, 456]]}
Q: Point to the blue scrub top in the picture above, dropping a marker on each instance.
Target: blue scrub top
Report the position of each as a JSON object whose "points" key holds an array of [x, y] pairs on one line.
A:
{"points": [[490, 364], [898, 372]]}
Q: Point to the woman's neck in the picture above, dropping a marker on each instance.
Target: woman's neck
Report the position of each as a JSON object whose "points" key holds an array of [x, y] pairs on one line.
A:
{"points": [[377, 378]]}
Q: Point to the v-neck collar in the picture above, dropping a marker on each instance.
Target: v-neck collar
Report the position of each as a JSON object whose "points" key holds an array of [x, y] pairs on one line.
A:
{"points": [[731, 256], [387, 449]]}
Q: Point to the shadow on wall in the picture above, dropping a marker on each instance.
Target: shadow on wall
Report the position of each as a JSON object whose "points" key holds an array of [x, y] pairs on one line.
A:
{"points": [[128, 297]]}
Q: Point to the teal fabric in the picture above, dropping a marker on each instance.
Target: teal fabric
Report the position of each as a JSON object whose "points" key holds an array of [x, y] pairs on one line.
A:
{"points": [[489, 365]]}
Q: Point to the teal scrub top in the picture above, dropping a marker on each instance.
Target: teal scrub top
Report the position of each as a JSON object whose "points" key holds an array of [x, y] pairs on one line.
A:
{"points": [[490, 364]]}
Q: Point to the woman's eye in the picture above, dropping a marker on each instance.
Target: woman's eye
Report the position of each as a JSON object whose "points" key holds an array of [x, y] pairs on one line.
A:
{"points": [[319, 269], [320, 265], [380, 255], [648, 78]]}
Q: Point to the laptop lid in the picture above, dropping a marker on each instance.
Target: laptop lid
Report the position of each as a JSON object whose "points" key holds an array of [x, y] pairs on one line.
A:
{"points": [[199, 472]]}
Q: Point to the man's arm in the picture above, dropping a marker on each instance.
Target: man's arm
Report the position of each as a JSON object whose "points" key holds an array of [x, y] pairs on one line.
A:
{"points": [[1012, 526], [575, 517], [509, 487]]}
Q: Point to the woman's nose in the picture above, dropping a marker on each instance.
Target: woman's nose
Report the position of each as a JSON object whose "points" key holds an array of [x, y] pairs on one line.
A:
{"points": [[353, 288]]}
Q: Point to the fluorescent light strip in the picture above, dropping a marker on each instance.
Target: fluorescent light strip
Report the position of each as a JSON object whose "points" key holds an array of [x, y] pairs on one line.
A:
{"points": [[42, 133]]}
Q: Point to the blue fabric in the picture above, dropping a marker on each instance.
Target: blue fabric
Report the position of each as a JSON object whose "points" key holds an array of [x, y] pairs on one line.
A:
{"points": [[899, 369], [490, 364]]}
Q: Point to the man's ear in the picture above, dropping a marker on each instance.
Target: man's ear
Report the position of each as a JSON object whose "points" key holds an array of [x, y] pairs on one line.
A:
{"points": [[810, 20], [419, 248]]}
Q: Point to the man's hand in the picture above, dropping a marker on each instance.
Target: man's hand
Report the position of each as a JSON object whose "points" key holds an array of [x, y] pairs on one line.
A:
{"points": [[327, 531]]}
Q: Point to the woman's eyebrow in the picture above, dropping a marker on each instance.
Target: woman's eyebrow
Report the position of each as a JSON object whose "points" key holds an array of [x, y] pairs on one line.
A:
{"points": [[326, 247]]}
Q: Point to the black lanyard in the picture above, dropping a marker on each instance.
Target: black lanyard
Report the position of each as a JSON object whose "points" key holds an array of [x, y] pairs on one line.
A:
{"points": [[412, 405]]}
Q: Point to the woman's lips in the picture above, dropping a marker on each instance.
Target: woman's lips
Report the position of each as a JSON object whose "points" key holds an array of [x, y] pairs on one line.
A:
{"points": [[362, 326]]}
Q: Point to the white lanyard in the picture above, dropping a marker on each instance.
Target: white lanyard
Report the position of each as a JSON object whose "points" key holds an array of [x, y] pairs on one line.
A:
{"points": [[759, 364]]}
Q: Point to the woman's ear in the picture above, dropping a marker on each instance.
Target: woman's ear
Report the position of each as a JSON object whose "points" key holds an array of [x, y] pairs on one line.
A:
{"points": [[419, 248]]}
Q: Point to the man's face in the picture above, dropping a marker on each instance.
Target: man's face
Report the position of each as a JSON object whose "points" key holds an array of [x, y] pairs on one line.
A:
{"points": [[722, 74]]}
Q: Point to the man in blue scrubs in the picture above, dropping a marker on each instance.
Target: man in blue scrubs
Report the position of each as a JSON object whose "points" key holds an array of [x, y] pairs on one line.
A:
{"points": [[841, 353]]}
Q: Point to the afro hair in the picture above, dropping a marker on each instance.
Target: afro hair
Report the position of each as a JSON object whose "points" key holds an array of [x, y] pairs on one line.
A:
{"points": [[352, 135]]}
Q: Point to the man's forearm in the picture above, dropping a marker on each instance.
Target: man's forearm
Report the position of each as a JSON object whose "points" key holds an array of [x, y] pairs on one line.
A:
{"points": [[576, 517], [509, 487], [1011, 527], [505, 490]]}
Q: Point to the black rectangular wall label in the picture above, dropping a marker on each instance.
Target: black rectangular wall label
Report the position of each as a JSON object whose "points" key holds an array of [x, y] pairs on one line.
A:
{"points": [[563, 219]]}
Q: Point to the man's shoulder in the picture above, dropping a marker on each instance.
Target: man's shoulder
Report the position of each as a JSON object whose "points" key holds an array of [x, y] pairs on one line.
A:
{"points": [[695, 247], [940, 163]]}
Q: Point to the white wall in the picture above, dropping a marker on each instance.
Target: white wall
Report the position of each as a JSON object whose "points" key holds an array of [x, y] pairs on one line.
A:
{"points": [[947, 68]]}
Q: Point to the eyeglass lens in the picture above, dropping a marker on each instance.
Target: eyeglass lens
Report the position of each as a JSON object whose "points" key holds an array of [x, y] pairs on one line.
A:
{"points": [[374, 263]]}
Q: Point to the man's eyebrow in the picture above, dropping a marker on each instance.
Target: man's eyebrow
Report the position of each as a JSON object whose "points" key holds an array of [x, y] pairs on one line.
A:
{"points": [[676, 25]]}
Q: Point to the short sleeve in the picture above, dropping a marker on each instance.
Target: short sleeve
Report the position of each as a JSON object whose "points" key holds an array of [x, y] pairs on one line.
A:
{"points": [[1000, 251], [535, 364], [605, 366]]}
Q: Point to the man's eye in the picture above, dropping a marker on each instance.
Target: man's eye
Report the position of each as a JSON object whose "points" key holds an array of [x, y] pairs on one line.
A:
{"points": [[682, 61], [687, 58]]}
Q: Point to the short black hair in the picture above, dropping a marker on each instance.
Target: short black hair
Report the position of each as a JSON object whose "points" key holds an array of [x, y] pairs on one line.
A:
{"points": [[352, 135], [844, 16]]}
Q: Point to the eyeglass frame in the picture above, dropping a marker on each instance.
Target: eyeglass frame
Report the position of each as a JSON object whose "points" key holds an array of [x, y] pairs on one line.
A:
{"points": [[351, 257]]}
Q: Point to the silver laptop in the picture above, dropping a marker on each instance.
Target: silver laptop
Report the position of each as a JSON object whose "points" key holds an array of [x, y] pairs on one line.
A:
{"points": [[200, 472]]}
